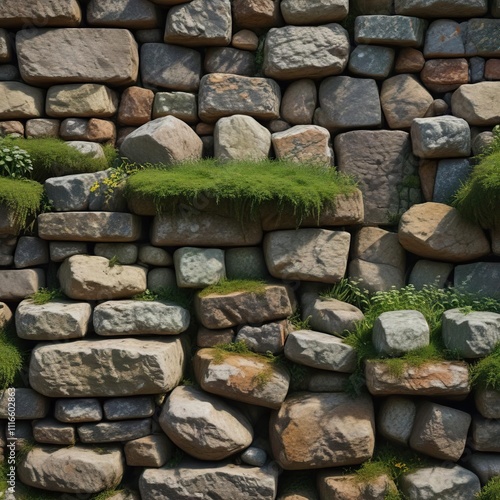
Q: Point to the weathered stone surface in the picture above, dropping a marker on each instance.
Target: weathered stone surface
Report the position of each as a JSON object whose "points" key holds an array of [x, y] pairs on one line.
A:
{"points": [[18, 100], [199, 23], [20, 283], [472, 335], [245, 40], [477, 65], [224, 480], [5, 47], [396, 418], [181, 105], [242, 378], [484, 465], [112, 432], [30, 404], [445, 75], [78, 410], [482, 38], [91, 149], [485, 434], [403, 98], [480, 278], [60, 250], [374, 276], [441, 8], [127, 408], [245, 263], [210, 338], [445, 378], [436, 231], [440, 431], [5, 315], [238, 308], [225, 95], [304, 144], [105, 368], [347, 103], [381, 161], [320, 350], [434, 483], [225, 430], [154, 256], [254, 456], [50, 13], [256, 13], [94, 130], [137, 317], [89, 226], [202, 228], [50, 431], [492, 69], [478, 103], [91, 471], [444, 38], [402, 31], [49, 57], [241, 137], [305, 52], [121, 253], [135, 14], [199, 267], [307, 254], [302, 438], [148, 451], [165, 140], [428, 272], [269, 337], [487, 402], [170, 67], [31, 252], [299, 102], [450, 176], [229, 60], [135, 108], [409, 60], [314, 11], [57, 319], [343, 486], [372, 61], [13, 128]]}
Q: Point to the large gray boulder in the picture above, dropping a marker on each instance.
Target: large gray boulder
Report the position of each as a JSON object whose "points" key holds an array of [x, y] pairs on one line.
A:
{"points": [[305, 52], [104, 368]]}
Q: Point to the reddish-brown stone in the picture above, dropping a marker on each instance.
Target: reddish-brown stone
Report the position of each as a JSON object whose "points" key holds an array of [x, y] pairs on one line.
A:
{"points": [[492, 69], [135, 106], [409, 61], [445, 75], [256, 13]]}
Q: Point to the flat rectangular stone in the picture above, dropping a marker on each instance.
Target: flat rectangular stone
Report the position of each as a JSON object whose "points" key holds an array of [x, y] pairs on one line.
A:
{"points": [[28, 404], [90, 55], [20, 283], [89, 226], [51, 431], [111, 432], [483, 38], [445, 378], [441, 8], [127, 408]]}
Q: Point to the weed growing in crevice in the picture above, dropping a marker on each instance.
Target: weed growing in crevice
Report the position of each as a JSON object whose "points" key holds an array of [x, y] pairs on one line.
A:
{"points": [[225, 287]]}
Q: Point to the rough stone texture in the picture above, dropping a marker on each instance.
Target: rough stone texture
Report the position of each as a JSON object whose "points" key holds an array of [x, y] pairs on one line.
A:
{"points": [[148, 451], [91, 471], [397, 332], [161, 278], [49, 57], [347, 103], [371, 61], [42, 127], [78, 410], [91, 149], [401, 31], [482, 38], [269, 337], [81, 129], [238, 308], [136, 14], [381, 161], [204, 229], [203, 425], [50, 431], [299, 102], [375, 277], [343, 486], [5, 315], [485, 434], [60, 250], [210, 338], [112, 432], [320, 350], [229, 60], [50, 13], [199, 267], [438, 232], [492, 69], [435, 483], [441, 8], [18, 100], [128, 408], [89, 226], [31, 252], [450, 176], [445, 378], [247, 379], [440, 431], [409, 60], [301, 438], [254, 456], [122, 253], [170, 67], [471, 335], [480, 278], [295, 52], [307, 254], [182, 105], [428, 272], [314, 11], [444, 38], [29, 404], [135, 108], [57, 319], [445, 75], [5, 47], [165, 140], [485, 465], [223, 480], [13, 128], [154, 256], [478, 103], [241, 137], [20, 283], [245, 263], [226, 95], [403, 98], [477, 65], [138, 317], [245, 40], [487, 402], [256, 13], [396, 418], [106, 368], [199, 23]]}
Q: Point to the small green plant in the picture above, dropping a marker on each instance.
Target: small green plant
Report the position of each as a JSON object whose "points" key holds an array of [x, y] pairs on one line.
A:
{"points": [[225, 287], [114, 261], [22, 197], [15, 162], [298, 323], [491, 491], [11, 358], [486, 372], [180, 296], [240, 347], [349, 291], [45, 295]]}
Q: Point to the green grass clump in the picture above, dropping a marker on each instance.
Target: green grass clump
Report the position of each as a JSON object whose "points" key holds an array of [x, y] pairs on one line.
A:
{"points": [[244, 185], [180, 296], [11, 358], [23, 197], [225, 287], [45, 295], [53, 157], [486, 372], [491, 491]]}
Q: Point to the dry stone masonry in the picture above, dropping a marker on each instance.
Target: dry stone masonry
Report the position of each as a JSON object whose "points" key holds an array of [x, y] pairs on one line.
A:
{"points": [[399, 94]]}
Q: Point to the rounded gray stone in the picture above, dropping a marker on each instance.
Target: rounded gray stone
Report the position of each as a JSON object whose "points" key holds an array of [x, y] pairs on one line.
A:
{"points": [[199, 267], [372, 61]]}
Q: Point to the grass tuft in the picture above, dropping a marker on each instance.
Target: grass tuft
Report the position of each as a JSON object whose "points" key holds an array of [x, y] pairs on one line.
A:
{"points": [[180, 296], [486, 372], [491, 491], [22, 196], [225, 287], [45, 295], [11, 358]]}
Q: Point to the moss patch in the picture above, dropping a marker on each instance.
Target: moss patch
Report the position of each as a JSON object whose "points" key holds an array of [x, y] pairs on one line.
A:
{"points": [[11, 358], [226, 287], [22, 196]]}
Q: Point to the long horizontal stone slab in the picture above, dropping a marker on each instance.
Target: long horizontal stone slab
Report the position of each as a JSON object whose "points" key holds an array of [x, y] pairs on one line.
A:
{"points": [[17, 284], [89, 226], [109, 367], [112, 432], [445, 378], [90, 55], [441, 8]]}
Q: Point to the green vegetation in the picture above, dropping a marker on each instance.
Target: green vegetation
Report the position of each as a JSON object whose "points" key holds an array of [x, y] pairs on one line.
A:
{"points": [[15, 162], [491, 491], [180, 296], [348, 291], [104, 495], [11, 358], [45, 295], [244, 186], [225, 287], [298, 323], [486, 372], [22, 196]]}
